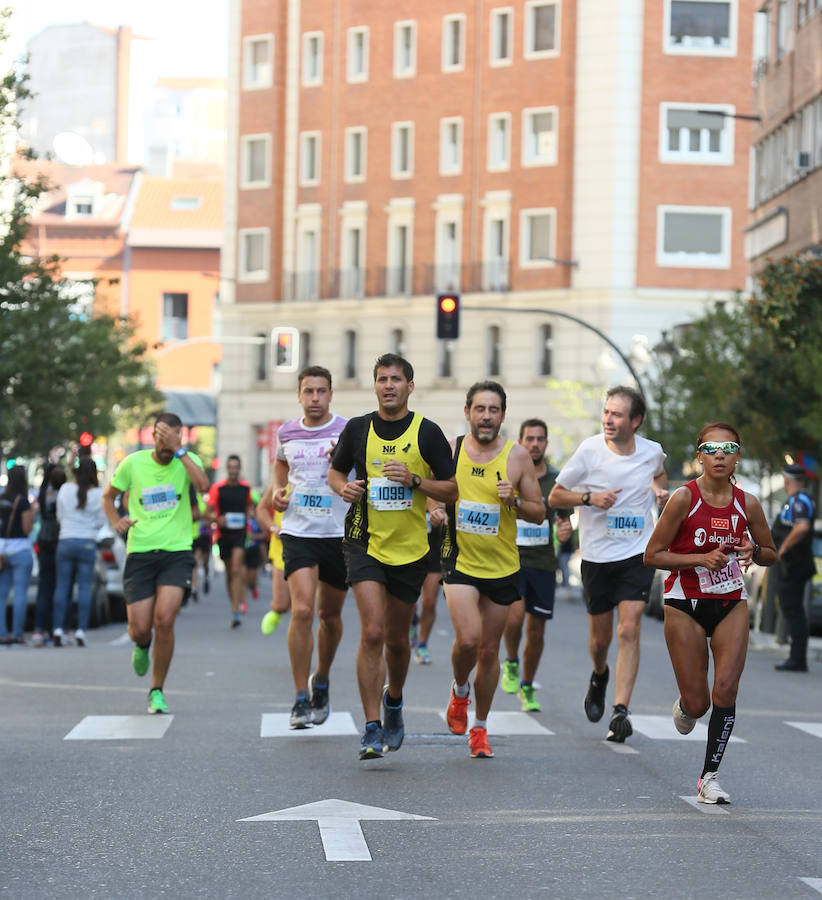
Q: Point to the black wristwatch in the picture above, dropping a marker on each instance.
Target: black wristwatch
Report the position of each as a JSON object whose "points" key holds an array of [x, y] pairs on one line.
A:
{"points": [[416, 481], [586, 498]]}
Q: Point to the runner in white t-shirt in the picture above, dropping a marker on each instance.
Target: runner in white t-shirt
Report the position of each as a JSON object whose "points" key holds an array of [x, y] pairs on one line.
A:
{"points": [[311, 533], [617, 478]]}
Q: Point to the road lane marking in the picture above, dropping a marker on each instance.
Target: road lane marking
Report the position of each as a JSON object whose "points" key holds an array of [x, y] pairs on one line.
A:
{"points": [[813, 728], [815, 883], [621, 748], [339, 824], [661, 728], [709, 809], [503, 723], [276, 725], [120, 728]]}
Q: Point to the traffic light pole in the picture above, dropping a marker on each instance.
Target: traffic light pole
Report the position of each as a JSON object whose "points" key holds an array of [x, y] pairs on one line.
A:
{"points": [[577, 320]]}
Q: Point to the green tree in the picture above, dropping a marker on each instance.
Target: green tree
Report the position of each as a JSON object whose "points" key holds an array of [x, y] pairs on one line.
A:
{"points": [[61, 371], [755, 363]]}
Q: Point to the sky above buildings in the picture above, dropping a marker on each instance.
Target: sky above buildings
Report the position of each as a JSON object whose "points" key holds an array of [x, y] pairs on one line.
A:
{"points": [[189, 42]]}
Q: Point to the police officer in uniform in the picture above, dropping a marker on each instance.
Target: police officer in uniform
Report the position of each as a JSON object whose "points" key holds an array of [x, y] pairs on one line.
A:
{"points": [[793, 535]]}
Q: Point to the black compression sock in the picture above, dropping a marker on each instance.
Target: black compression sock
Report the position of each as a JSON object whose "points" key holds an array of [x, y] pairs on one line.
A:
{"points": [[393, 702], [719, 733]]}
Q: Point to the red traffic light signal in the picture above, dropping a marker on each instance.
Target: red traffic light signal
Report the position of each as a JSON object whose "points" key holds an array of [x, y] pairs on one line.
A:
{"points": [[86, 439], [448, 316], [286, 349]]}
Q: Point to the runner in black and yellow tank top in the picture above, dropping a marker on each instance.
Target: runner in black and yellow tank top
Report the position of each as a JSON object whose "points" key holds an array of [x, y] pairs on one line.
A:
{"points": [[399, 459], [497, 485]]}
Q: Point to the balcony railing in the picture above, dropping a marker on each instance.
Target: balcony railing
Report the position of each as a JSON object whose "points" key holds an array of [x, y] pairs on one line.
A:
{"points": [[399, 281]]}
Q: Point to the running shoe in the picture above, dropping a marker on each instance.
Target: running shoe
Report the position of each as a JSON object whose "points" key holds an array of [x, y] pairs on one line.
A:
{"points": [[80, 637], [683, 723], [195, 596], [510, 676], [478, 742], [393, 727], [57, 635], [708, 790], [320, 702], [456, 716], [156, 703], [235, 621], [528, 698], [620, 726], [270, 622], [139, 660], [243, 607], [371, 742], [301, 713], [422, 656], [206, 585], [255, 594], [595, 698]]}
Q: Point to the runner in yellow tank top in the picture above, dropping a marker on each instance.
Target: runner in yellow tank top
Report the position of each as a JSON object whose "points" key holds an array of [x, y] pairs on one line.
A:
{"points": [[497, 485]]}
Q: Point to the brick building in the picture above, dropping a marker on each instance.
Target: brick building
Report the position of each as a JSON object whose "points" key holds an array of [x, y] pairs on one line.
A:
{"points": [[540, 154], [786, 177]]}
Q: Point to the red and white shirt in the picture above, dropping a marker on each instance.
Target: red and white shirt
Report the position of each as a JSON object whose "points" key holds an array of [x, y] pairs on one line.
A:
{"points": [[707, 528]]}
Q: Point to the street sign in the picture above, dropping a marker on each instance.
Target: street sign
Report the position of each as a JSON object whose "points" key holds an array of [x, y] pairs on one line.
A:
{"points": [[339, 824]]}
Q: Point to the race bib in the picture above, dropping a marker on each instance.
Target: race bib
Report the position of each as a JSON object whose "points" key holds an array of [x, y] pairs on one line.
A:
{"points": [[313, 502], [530, 535], [235, 521], [727, 580], [384, 495], [624, 523], [477, 518], [159, 497]]}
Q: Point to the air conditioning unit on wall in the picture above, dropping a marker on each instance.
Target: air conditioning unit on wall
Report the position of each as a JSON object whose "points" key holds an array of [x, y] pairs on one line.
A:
{"points": [[802, 161]]}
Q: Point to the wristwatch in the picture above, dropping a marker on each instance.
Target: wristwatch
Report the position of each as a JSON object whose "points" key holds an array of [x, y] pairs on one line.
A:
{"points": [[517, 501], [586, 498], [416, 481], [181, 452]]}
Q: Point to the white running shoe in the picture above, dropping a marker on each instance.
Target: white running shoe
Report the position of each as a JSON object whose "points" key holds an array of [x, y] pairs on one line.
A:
{"points": [[710, 791], [683, 723]]}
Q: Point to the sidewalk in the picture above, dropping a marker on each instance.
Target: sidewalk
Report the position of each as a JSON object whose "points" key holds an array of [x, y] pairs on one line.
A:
{"points": [[760, 640]]}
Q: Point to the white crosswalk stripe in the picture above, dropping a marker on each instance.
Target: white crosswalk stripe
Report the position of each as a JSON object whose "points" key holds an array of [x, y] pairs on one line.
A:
{"points": [[504, 723], [814, 728], [120, 728], [276, 725], [661, 728]]}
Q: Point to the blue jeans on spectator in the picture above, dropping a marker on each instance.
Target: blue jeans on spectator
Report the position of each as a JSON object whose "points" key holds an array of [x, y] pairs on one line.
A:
{"points": [[75, 562], [17, 571]]}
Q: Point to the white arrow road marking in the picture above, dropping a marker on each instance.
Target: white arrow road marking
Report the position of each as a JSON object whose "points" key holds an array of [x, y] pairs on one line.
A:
{"points": [[119, 728], [661, 728], [502, 723], [814, 728], [815, 883], [339, 824], [276, 725], [710, 809]]}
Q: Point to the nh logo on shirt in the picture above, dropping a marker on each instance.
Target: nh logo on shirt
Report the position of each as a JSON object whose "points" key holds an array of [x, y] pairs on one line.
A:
{"points": [[720, 523], [389, 448], [479, 471]]}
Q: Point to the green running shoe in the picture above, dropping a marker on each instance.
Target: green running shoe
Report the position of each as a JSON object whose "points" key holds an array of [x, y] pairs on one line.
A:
{"points": [[139, 660], [270, 622], [510, 677], [156, 703], [529, 701]]}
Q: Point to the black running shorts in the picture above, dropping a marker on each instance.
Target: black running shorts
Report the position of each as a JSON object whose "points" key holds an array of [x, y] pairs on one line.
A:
{"points": [[708, 612], [606, 585], [537, 588], [502, 591], [145, 572], [403, 582], [323, 552]]}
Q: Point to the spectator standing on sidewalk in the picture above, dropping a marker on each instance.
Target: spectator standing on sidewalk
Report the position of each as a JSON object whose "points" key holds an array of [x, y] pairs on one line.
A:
{"points": [[16, 555], [54, 478]]}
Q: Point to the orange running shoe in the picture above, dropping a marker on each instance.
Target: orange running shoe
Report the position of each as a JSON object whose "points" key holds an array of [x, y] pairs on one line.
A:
{"points": [[478, 742], [457, 713]]}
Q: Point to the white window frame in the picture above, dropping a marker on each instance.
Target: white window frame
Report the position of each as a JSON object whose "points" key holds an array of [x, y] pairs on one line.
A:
{"points": [[411, 70], [449, 210], [308, 277], [351, 76], [305, 136], [305, 77], [525, 262], [528, 31], [497, 14], [256, 275], [680, 261], [678, 50], [550, 159], [725, 156], [400, 214], [497, 208], [447, 21], [505, 165], [246, 182], [349, 176], [396, 127], [353, 217], [249, 84], [444, 125]]}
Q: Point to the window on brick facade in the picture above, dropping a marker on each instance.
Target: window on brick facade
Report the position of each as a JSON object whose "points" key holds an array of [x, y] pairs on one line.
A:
{"points": [[499, 142], [693, 237], [450, 146], [537, 237], [357, 58], [253, 254], [700, 27], [175, 317], [502, 38], [310, 158], [312, 58], [405, 49], [258, 52], [402, 149], [453, 43], [539, 136], [355, 152], [541, 29], [690, 135], [256, 158]]}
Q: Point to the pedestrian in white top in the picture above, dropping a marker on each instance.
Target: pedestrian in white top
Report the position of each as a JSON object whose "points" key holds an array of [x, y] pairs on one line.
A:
{"points": [[617, 478], [80, 514]]}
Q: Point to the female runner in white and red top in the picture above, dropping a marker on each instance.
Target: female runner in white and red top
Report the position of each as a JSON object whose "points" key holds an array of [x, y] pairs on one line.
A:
{"points": [[707, 536]]}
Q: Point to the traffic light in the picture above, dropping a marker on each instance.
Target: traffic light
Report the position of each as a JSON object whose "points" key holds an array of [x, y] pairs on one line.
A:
{"points": [[448, 316], [286, 349], [86, 439]]}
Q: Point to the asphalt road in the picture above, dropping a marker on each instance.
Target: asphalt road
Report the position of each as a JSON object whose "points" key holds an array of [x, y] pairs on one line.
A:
{"points": [[557, 813]]}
